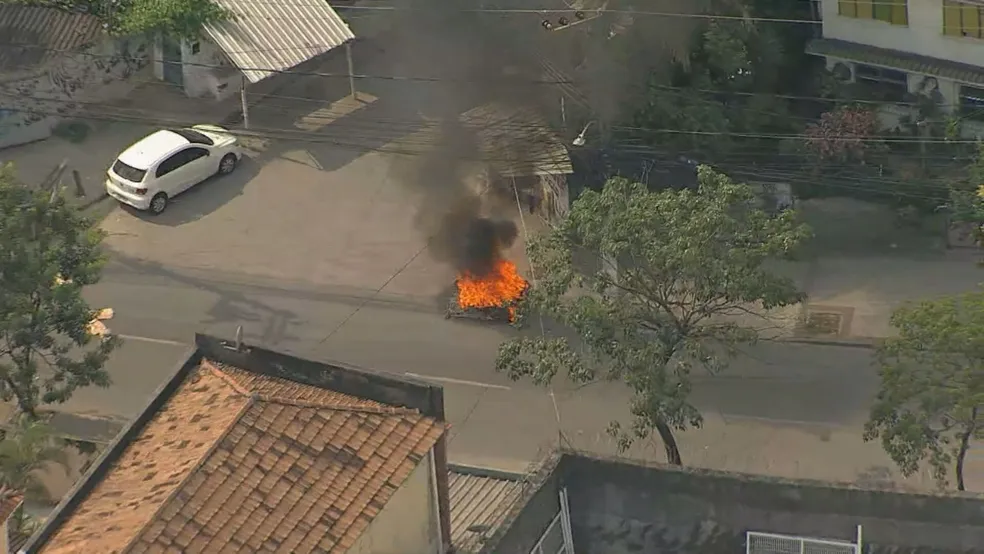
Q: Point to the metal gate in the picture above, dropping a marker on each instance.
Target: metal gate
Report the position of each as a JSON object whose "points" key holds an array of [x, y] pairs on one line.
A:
{"points": [[770, 543], [558, 538], [171, 61]]}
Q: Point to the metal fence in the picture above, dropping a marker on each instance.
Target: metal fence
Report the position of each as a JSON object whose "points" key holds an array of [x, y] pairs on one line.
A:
{"points": [[769, 543], [557, 539]]}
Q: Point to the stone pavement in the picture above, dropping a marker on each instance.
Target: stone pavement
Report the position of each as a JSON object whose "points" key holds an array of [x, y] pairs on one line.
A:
{"points": [[851, 299]]}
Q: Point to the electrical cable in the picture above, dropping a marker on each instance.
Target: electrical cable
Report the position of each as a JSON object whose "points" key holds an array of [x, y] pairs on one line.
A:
{"points": [[753, 174]]}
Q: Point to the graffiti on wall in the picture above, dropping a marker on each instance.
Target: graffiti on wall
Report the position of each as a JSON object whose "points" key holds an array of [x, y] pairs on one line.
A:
{"points": [[60, 85]]}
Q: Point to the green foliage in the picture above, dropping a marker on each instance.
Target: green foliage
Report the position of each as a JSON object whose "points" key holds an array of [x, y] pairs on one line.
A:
{"points": [[25, 450], [929, 405], [727, 86], [967, 196], [689, 265], [48, 253], [177, 18]]}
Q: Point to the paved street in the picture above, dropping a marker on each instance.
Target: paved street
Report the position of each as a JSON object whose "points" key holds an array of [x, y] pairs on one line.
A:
{"points": [[784, 409]]}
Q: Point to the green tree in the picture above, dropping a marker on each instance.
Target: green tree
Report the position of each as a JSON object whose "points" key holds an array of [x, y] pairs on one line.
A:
{"points": [[25, 450], [931, 400], [48, 253], [678, 272], [726, 90], [176, 18]]}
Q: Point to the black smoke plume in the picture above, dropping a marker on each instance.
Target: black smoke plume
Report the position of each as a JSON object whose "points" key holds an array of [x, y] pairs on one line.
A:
{"points": [[470, 242]]}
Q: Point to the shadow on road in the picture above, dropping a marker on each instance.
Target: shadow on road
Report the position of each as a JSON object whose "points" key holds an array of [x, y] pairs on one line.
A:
{"points": [[271, 325]]}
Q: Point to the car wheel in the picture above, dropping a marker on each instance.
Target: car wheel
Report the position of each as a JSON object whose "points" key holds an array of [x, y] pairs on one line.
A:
{"points": [[227, 164], [158, 203]]}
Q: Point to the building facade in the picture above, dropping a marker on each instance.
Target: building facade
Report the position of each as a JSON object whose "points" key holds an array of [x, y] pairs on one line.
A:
{"points": [[909, 51]]}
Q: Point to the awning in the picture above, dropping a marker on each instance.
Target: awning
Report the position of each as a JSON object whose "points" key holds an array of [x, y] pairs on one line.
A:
{"points": [[275, 35], [894, 59], [517, 142]]}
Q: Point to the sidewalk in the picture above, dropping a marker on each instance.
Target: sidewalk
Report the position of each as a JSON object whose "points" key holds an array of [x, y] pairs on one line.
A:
{"points": [[91, 157]]}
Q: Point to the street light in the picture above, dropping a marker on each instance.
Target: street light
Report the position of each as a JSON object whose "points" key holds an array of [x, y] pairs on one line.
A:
{"points": [[579, 139]]}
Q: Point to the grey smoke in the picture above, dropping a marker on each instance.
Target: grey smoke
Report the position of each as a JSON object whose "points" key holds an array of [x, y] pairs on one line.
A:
{"points": [[441, 44]]}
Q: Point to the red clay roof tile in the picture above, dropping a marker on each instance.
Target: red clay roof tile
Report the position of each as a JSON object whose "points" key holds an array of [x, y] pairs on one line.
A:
{"points": [[236, 462]]}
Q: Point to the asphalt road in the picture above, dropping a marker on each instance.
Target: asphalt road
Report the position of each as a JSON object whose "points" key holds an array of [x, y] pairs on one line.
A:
{"points": [[495, 421]]}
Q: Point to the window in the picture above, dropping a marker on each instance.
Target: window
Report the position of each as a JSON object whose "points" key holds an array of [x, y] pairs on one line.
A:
{"points": [[193, 136], [883, 84], [128, 172], [193, 154], [972, 102], [890, 11], [961, 19]]}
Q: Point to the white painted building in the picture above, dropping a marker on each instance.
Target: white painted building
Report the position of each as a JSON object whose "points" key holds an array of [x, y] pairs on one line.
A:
{"points": [[899, 49], [262, 39]]}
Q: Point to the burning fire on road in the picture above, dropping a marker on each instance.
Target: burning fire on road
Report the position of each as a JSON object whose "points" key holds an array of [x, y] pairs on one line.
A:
{"points": [[488, 286]]}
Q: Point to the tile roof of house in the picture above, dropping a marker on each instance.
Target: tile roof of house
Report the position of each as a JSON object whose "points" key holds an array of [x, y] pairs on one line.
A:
{"points": [[236, 461], [516, 141], [32, 35], [10, 499]]}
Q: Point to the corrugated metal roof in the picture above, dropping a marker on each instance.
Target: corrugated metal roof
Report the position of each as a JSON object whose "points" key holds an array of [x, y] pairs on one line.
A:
{"points": [[517, 142], [894, 59], [267, 37], [50, 32], [480, 500]]}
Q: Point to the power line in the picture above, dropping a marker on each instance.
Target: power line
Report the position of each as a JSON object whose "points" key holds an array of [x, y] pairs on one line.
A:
{"points": [[765, 136], [750, 173]]}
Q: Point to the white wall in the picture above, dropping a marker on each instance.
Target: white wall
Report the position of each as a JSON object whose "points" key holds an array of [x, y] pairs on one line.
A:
{"points": [[208, 73], [924, 34], [409, 523]]}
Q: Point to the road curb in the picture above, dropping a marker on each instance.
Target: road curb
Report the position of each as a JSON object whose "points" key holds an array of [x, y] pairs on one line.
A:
{"points": [[859, 342]]}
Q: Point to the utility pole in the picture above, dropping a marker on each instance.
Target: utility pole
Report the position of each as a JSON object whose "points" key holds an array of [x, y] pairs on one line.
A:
{"points": [[242, 99], [351, 70]]}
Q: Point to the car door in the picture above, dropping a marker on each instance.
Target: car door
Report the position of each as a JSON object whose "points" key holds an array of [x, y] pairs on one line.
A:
{"points": [[167, 177], [198, 166]]}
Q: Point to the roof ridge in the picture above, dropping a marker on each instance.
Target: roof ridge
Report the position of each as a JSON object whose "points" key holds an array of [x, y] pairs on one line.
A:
{"points": [[229, 380], [249, 403], [382, 409]]}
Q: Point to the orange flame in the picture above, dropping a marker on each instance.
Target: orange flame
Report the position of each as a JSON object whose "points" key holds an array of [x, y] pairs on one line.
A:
{"points": [[500, 289]]}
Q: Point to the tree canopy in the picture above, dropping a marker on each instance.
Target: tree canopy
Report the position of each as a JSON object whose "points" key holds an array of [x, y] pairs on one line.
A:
{"points": [[931, 401], [675, 272], [48, 253], [177, 18]]}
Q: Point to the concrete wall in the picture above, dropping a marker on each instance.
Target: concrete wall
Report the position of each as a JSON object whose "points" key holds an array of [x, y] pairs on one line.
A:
{"points": [[621, 508], [67, 84], [924, 34], [207, 72], [408, 523], [523, 527]]}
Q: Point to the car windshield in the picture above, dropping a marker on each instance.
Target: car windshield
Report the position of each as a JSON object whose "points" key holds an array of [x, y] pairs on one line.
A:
{"points": [[129, 173], [193, 136]]}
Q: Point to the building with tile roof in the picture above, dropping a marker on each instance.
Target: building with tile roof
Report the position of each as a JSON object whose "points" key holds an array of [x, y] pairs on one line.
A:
{"points": [[10, 501], [249, 450]]}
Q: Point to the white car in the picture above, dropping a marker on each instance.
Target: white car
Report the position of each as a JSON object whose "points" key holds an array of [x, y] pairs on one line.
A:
{"points": [[164, 164]]}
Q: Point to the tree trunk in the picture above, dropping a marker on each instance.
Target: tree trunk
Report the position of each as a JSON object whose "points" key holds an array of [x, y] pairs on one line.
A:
{"points": [[964, 447], [25, 407], [669, 443]]}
